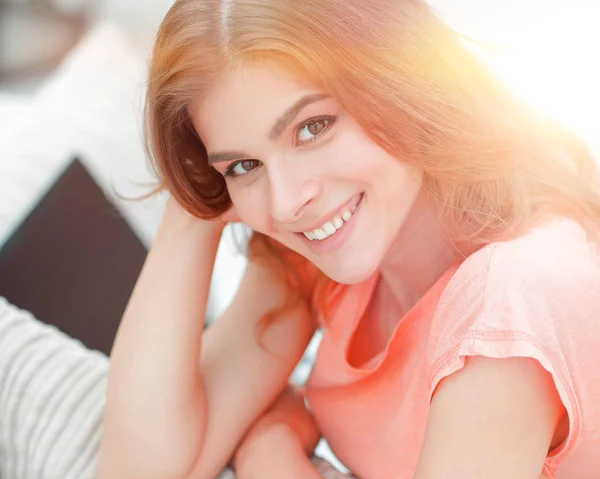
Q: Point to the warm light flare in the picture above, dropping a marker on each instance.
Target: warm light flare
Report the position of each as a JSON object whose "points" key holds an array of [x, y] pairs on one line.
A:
{"points": [[555, 65]]}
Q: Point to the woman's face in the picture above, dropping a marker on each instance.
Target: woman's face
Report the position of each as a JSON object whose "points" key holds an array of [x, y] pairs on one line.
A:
{"points": [[301, 171]]}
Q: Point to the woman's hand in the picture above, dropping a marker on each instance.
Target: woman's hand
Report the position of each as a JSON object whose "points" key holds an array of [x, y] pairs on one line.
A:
{"points": [[230, 216], [280, 442], [175, 218]]}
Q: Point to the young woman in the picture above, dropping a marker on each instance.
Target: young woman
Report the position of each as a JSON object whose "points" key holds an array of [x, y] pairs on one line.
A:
{"points": [[443, 236]]}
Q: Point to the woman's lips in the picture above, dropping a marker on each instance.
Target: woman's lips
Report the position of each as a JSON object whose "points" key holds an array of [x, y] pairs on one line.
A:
{"points": [[348, 205], [335, 241]]}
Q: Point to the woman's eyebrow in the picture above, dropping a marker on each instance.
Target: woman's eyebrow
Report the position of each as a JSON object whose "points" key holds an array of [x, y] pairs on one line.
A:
{"points": [[278, 128], [290, 114], [225, 156]]}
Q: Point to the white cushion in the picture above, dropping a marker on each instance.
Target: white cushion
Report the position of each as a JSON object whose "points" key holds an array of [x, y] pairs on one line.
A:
{"points": [[91, 106]]}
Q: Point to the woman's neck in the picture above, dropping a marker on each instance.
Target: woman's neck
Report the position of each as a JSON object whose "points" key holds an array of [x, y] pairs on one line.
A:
{"points": [[419, 254]]}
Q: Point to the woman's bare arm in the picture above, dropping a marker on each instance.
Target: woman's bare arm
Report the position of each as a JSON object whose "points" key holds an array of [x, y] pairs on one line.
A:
{"points": [[495, 418], [167, 416]]}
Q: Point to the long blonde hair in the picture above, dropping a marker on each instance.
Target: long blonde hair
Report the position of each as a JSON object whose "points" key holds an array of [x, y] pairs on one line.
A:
{"points": [[491, 163]]}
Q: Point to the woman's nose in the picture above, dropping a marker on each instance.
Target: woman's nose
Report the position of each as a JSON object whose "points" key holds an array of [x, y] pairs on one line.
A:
{"points": [[291, 193]]}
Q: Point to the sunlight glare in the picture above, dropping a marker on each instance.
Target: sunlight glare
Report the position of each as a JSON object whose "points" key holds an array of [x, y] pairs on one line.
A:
{"points": [[555, 65]]}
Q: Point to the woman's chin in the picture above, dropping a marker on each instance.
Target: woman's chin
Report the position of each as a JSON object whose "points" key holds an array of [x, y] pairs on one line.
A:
{"points": [[350, 272]]}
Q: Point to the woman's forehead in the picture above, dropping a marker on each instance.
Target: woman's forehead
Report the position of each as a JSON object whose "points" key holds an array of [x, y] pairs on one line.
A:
{"points": [[250, 86], [252, 98]]}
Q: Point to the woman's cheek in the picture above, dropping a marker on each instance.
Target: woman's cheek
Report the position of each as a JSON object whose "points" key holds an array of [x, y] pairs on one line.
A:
{"points": [[252, 210]]}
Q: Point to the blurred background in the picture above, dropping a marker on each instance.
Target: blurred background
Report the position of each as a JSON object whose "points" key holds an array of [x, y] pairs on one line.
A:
{"points": [[72, 79]]}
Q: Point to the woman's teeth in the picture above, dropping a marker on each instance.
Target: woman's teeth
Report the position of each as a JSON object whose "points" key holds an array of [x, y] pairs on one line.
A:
{"points": [[330, 228]]}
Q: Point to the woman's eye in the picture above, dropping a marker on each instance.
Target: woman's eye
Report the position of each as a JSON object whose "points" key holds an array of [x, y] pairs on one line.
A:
{"points": [[310, 131], [240, 168]]}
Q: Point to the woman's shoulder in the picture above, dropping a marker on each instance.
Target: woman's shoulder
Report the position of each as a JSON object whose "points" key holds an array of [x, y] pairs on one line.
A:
{"points": [[559, 242], [556, 251], [550, 274]]}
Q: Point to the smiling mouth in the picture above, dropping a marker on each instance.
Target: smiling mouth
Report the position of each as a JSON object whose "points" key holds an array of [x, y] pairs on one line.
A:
{"points": [[331, 227]]}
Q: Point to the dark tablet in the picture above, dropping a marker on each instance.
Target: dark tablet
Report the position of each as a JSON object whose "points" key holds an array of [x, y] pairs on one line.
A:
{"points": [[73, 261]]}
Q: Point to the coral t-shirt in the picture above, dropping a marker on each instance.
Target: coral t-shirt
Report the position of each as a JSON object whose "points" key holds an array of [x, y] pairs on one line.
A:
{"points": [[535, 296]]}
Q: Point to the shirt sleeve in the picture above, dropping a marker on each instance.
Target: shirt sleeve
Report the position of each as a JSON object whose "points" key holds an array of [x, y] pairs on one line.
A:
{"points": [[538, 297]]}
